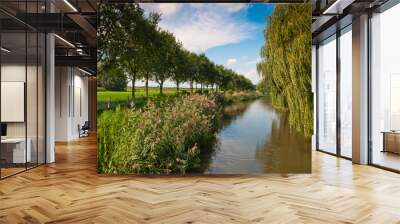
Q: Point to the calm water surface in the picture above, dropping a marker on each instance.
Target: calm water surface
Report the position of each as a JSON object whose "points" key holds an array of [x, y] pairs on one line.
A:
{"points": [[257, 139]]}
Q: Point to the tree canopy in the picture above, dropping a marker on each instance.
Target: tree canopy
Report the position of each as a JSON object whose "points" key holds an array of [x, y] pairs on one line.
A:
{"points": [[114, 80], [133, 44], [286, 63]]}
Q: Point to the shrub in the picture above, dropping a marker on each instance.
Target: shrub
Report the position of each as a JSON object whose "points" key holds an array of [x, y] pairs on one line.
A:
{"points": [[161, 138], [231, 97], [113, 79], [184, 92]]}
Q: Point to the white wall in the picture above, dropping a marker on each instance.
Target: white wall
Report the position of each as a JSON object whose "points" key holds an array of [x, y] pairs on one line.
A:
{"points": [[71, 102], [13, 101], [17, 73], [81, 108], [33, 126], [62, 82], [9, 73]]}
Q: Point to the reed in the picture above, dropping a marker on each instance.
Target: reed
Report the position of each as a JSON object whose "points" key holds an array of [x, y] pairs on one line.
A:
{"points": [[160, 138]]}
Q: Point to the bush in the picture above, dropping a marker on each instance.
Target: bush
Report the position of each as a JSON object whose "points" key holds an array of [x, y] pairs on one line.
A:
{"points": [[113, 80], [231, 97], [161, 138], [184, 92]]}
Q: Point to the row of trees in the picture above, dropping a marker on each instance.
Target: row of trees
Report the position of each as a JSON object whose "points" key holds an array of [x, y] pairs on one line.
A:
{"points": [[286, 63], [131, 44]]}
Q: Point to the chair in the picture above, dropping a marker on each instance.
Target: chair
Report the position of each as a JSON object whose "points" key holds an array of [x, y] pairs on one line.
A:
{"points": [[84, 130]]}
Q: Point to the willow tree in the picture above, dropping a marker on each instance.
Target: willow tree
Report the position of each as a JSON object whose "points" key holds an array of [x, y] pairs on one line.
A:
{"points": [[286, 63]]}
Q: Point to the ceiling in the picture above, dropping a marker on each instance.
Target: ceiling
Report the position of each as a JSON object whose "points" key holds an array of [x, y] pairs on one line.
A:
{"points": [[330, 15], [73, 21]]}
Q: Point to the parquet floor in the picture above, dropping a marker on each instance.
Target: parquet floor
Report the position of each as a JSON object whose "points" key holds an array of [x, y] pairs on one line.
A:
{"points": [[70, 191]]}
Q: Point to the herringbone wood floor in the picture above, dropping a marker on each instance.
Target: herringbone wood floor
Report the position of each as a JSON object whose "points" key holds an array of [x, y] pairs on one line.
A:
{"points": [[70, 191]]}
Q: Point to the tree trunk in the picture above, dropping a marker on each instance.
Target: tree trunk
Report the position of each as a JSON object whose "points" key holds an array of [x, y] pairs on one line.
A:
{"points": [[191, 86], [147, 86], [133, 86], [133, 78], [161, 87], [177, 87]]}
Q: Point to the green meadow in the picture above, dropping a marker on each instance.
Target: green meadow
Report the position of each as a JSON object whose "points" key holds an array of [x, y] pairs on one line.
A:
{"points": [[104, 95]]}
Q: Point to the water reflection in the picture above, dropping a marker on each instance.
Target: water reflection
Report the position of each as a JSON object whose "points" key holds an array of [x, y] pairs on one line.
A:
{"points": [[257, 139]]}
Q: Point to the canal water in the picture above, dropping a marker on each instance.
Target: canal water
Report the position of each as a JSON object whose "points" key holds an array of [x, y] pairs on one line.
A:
{"points": [[257, 139]]}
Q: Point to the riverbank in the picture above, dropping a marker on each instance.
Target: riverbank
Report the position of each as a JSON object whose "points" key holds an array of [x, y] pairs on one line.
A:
{"points": [[162, 137], [109, 100]]}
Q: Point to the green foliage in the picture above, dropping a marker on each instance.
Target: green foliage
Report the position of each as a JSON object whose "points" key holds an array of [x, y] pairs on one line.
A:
{"points": [[286, 63], [123, 33], [104, 96], [155, 140], [112, 99], [261, 87], [113, 80], [240, 96], [133, 43]]}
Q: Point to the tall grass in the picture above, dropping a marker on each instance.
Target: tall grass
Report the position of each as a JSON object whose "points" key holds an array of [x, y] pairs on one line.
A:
{"points": [[161, 138]]}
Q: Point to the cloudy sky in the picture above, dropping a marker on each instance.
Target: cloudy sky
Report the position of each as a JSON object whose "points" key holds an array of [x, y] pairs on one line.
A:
{"points": [[230, 34]]}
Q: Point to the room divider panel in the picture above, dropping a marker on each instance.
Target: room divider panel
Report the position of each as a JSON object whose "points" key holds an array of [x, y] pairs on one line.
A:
{"points": [[22, 77]]}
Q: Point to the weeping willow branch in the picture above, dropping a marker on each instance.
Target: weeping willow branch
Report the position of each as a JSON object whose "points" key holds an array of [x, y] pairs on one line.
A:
{"points": [[286, 63]]}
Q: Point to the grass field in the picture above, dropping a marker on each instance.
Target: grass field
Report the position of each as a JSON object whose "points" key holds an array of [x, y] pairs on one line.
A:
{"points": [[111, 99], [103, 96]]}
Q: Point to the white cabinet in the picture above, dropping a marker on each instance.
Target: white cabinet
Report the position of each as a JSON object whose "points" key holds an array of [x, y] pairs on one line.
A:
{"points": [[19, 155]]}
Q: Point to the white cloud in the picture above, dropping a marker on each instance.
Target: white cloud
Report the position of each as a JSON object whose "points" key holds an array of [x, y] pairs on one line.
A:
{"points": [[231, 61], [165, 9], [232, 7], [203, 26]]}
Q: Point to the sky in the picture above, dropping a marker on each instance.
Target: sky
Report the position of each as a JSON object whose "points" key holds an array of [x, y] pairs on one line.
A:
{"points": [[230, 34]]}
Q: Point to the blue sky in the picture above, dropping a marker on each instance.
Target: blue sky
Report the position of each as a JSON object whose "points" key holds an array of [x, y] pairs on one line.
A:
{"points": [[230, 34]]}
